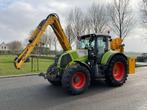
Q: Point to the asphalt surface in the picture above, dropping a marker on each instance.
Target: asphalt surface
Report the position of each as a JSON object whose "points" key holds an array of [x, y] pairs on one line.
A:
{"points": [[35, 93]]}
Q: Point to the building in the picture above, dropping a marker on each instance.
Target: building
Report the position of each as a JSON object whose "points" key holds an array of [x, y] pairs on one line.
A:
{"points": [[3, 47]]}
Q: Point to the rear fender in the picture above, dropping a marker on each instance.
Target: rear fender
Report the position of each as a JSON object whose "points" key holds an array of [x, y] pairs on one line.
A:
{"points": [[116, 54], [108, 57]]}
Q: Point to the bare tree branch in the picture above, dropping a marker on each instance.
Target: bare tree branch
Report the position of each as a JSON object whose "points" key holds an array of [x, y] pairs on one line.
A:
{"points": [[97, 17], [15, 46], [144, 11], [121, 17], [75, 19]]}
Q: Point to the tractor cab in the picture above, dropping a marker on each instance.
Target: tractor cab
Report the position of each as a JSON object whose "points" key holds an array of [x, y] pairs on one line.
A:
{"points": [[96, 45]]}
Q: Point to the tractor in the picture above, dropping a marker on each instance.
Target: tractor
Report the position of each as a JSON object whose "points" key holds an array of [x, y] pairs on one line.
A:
{"points": [[97, 56]]}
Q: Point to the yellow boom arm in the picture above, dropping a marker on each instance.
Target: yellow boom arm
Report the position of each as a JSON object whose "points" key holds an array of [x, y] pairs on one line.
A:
{"points": [[54, 22]]}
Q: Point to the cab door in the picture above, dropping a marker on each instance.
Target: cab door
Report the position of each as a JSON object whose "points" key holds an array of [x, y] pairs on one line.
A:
{"points": [[102, 47]]}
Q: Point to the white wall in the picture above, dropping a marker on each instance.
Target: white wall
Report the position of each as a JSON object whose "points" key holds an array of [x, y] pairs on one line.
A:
{"points": [[3, 46]]}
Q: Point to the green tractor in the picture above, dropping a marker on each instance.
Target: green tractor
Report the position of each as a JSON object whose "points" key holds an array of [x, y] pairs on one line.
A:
{"points": [[98, 56], [76, 70]]}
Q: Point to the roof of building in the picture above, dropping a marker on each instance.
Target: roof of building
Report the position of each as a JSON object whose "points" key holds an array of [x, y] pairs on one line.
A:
{"points": [[3, 43]]}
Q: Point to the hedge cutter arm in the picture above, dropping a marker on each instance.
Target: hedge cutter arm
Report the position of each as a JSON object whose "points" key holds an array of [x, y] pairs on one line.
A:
{"points": [[35, 38]]}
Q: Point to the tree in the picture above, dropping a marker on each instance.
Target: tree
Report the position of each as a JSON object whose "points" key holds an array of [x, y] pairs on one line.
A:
{"points": [[97, 18], [44, 39], [55, 44], [144, 11], [50, 40], [121, 18], [75, 24], [69, 32], [15, 46]]}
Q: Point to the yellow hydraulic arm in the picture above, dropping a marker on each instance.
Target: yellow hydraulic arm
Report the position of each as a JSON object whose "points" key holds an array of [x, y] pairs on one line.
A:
{"points": [[54, 22]]}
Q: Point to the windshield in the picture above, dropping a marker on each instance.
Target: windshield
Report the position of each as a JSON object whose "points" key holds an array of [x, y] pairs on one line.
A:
{"points": [[86, 43]]}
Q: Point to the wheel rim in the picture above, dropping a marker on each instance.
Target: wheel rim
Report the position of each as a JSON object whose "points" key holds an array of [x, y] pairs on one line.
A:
{"points": [[78, 80], [118, 71]]}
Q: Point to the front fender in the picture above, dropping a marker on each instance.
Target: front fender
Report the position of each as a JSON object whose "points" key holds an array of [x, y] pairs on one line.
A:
{"points": [[84, 64]]}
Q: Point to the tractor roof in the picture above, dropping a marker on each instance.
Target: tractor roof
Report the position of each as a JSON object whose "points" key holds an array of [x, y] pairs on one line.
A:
{"points": [[93, 35]]}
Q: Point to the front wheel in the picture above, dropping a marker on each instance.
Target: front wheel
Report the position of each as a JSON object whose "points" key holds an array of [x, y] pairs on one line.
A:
{"points": [[52, 75], [117, 71], [76, 79]]}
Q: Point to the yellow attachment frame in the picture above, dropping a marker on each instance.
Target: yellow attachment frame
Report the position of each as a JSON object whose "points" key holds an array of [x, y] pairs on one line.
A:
{"points": [[116, 44], [131, 64]]}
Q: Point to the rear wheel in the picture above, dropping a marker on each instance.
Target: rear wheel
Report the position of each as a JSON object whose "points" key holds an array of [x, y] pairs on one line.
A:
{"points": [[76, 79], [117, 72]]}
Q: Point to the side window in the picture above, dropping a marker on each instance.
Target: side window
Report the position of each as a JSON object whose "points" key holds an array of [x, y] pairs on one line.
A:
{"points": [[101, 43], [83, 44]]}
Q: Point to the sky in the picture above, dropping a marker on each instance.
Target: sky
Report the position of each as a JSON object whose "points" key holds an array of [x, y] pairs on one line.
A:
{"points": [[19, 17]]}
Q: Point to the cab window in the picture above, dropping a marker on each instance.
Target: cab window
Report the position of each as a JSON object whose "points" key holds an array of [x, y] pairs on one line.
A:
{"points": [[86, 43], [101, 45]]}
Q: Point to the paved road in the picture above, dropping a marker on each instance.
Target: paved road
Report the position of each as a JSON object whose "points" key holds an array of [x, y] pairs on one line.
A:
{"points": [[34, 93]]}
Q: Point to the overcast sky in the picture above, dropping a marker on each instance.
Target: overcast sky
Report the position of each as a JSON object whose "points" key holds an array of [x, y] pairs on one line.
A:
{"points": [[19, 17]]}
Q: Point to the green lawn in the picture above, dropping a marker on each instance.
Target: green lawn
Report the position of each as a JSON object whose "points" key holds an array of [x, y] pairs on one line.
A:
{"points": [[7, 67]]}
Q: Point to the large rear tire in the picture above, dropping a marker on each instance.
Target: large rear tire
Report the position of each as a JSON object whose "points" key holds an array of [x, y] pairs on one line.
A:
{"points": [[117, 72], [76, 79]]}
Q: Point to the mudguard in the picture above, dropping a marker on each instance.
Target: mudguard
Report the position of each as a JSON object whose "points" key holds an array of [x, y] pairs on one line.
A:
{"points": [[109, 55]]}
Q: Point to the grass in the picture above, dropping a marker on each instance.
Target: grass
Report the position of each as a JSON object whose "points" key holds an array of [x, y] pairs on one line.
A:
{"points": [[7, 67]]}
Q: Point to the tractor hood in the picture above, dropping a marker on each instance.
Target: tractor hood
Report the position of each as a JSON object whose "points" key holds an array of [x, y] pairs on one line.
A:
{"points": [[82, 52], [69, 57], [79, 55]]}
